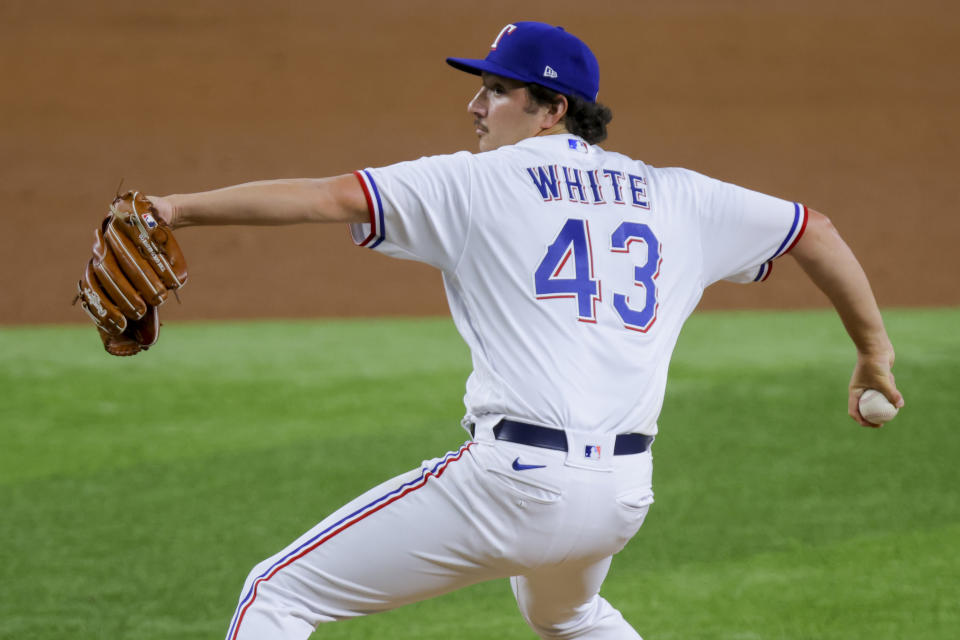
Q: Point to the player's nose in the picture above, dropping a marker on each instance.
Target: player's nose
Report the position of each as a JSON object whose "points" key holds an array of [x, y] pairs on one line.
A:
{"points": [[477, 105]]}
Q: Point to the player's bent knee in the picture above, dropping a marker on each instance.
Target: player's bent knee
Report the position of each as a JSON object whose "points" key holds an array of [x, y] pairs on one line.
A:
{"points": [[595, 619], [557, 629], [270, 608], [258, 571]]}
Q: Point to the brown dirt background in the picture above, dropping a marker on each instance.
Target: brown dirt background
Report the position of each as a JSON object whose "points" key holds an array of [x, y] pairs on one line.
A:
{"points": [[850, 107]]}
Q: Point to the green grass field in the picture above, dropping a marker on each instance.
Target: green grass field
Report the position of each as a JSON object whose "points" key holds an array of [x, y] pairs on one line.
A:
{"points": [[137, 493]]}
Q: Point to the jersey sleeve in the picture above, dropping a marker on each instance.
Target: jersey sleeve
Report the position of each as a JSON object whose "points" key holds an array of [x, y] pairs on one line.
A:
{"points": [[752, 274], [419, 210], [743, 231]]}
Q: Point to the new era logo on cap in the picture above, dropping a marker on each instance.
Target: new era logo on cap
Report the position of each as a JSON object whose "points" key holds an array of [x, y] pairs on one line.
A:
{"points": [[549, 73]]}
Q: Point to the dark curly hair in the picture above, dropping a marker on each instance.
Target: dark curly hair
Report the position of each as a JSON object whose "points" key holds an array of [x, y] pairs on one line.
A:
{"points": [[588, 120]]}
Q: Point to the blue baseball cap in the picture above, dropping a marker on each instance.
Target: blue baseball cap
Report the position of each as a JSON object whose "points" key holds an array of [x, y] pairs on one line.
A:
{"points": [[542, 54]]}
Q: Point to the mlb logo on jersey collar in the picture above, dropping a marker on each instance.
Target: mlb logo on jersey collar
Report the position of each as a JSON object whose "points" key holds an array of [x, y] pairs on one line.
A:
{"points": [[576, 144]]}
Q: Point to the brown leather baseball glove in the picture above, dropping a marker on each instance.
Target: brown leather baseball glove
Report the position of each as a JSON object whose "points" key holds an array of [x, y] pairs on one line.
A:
{"points": [[136, 263]]}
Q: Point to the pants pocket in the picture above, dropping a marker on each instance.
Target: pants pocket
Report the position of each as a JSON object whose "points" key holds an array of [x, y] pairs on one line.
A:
{"points": [[526, 489], [636, 499]]}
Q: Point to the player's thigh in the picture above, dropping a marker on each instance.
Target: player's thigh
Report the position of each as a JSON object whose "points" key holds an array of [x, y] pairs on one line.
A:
{"points": [[407, 539]]}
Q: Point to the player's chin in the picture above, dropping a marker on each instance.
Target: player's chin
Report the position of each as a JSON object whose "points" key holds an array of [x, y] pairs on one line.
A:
{"points": [[486, 143]]}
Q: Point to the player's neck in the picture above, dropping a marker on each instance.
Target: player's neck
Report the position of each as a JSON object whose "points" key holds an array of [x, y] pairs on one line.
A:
{"points": [[556, 129]]}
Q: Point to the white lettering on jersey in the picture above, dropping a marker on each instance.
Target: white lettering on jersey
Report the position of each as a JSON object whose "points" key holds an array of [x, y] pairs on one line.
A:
{"points": [[548, 183], [638, 191], [574, 183], [616, 180], [595, 187]]}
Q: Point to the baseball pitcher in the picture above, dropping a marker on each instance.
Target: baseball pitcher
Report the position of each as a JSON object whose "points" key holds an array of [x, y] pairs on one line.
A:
{"points": [[569, 271]]}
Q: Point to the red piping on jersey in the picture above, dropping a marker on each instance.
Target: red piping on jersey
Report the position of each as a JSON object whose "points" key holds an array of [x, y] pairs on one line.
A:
{"points": [[770, 264], [370, 208], [803, 228]]}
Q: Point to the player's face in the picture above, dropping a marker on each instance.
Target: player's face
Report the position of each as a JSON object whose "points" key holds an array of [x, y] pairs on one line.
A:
{"points": [[501, 114]]}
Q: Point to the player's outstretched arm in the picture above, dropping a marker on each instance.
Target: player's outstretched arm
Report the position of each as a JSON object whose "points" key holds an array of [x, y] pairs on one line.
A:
{"points": [[270, 202], [830, 263]]}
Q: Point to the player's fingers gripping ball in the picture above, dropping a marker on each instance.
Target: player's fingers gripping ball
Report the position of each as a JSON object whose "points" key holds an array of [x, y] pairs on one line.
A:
{"points": [[136, 263], [875, 408]]}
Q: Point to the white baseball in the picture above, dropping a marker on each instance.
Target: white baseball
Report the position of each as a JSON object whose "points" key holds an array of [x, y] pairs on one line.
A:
{"points": [[875, 408]]}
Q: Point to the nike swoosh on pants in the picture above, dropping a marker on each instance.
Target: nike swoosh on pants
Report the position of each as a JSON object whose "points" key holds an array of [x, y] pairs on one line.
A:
{"points": [[518, 466]]}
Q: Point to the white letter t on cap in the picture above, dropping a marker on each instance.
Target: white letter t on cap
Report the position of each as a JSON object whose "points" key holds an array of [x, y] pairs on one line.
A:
{"points": [[510, 28]]}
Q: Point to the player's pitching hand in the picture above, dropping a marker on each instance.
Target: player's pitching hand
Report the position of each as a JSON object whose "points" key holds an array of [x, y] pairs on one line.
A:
{"points": [[873, 371]]}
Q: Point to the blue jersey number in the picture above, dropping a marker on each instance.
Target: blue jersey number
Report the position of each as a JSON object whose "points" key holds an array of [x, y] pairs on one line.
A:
{"points": [[557, 277], [643, 276], [572, 241]]}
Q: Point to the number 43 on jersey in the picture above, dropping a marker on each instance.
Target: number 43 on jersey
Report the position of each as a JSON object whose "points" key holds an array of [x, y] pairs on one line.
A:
{"points": [[573, 242]]}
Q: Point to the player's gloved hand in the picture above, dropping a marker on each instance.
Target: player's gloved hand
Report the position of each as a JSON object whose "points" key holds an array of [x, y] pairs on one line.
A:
{"points": [[136, 263], [873, 371], [165, 211]]}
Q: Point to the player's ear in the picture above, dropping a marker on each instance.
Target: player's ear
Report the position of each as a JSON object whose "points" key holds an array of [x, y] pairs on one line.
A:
{"points": [[556, 112]]}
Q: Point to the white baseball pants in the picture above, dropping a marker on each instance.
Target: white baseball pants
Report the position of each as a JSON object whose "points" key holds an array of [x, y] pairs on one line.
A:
{"points": [[486, 511]]}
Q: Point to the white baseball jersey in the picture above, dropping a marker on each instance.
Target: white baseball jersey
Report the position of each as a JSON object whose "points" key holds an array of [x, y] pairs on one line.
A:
{"points": [[569, 269]]}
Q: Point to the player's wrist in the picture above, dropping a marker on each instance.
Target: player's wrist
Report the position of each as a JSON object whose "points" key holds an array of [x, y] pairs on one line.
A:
{"points": [[874, 345], [877, 352]]}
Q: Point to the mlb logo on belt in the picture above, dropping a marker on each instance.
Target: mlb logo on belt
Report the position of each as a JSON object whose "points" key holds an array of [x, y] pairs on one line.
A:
{"points": [[592, 451]]}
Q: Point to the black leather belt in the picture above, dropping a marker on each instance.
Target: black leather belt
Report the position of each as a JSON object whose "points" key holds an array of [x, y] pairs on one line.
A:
{"points": [[546, 438]]}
